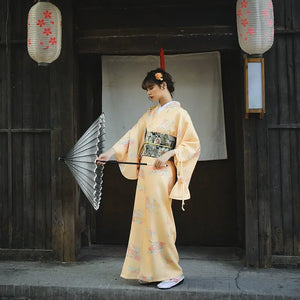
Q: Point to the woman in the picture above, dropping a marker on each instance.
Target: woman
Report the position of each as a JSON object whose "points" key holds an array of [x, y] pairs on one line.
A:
{"points": [[165, 139]]}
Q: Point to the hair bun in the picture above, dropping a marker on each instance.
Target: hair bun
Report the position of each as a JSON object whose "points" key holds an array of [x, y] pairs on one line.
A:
{"points": [[158, 76]]}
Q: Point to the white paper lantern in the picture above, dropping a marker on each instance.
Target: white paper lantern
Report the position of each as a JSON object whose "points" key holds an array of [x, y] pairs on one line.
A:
{"points": [[255, 25], [44, 33]]}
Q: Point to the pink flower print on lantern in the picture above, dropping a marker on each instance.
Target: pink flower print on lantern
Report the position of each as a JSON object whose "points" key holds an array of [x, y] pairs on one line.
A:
{"points": [[251, 31], [47, 31], [52, 41], [29, 42], [239, 13], [270, 22], [244, 22], [265, 13], [41, 23], [244, 4], [270, 4], [47, 14]]}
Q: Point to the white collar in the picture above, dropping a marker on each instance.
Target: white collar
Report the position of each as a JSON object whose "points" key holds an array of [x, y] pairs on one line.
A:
{"points": [[160, 108]]}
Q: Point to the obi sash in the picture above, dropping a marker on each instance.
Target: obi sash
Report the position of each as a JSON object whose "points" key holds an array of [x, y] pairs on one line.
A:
{"points": [[156, 144]]}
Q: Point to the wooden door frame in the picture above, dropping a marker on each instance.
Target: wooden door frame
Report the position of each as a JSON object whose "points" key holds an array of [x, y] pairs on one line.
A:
{"points": [[204, 39]]}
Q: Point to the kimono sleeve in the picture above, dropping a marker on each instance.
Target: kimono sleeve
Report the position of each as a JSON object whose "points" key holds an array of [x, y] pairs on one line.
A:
{"points": [[187, 152], [128, 148]]}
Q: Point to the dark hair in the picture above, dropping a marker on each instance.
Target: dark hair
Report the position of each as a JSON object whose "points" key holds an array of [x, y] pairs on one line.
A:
{"points": [[150, 79]]}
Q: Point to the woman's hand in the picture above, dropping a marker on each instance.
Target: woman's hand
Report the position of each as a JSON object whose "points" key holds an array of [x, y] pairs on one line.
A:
{"points": [[161, 161], [105, 156]]}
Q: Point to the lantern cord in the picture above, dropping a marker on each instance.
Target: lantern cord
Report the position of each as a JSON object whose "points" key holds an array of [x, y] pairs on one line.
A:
{"points": [[162, 59]]}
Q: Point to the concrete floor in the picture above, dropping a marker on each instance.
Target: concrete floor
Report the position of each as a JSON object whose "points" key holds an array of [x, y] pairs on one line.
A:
{"points": [[210, 273]]}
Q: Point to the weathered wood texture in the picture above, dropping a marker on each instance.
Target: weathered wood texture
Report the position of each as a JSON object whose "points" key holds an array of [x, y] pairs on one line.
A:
{"points": [[284, 145], [271, 159], [37, 202], [65, 208], [284, 141], [123, 27], [163, 13]]}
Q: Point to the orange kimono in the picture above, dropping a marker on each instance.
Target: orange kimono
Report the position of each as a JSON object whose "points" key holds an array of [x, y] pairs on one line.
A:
{"points": [[151, 254]]}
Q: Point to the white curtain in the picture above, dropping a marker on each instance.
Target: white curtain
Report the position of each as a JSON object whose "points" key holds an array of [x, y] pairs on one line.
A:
{"points": [[198, 87]]}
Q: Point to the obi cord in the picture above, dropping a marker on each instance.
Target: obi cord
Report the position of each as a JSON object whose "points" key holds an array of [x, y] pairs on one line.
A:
{"points": [[156, 144]]}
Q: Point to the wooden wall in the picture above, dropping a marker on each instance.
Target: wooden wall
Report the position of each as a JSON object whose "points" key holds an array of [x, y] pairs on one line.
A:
{"points": [[272, 147], [38, 199], [284, 132]]}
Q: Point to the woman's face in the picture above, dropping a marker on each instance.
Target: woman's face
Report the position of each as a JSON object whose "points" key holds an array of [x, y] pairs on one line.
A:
{"points": [[154, 92]]}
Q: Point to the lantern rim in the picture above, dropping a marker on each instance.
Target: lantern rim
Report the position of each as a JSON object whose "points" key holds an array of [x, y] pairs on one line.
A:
{"points": [[43, 64]]}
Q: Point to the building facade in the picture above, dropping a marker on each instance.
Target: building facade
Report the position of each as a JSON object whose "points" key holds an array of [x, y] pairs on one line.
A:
{"points": [[250, 201]]}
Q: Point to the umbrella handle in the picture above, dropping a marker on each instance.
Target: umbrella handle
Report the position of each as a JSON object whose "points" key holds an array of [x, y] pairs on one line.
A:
{"points": [[120, 162], [123, 162]]}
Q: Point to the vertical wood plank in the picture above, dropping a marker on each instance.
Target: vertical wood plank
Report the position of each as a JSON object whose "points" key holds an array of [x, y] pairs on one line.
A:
{"points": [[19, 108], [18, 193], [251, 205], [3, 21], [41, 187], [56, 182], [272, 112], [263, 196], [4, 212], [239, 155], [44, 192], [295, 140], [285, 151], [63, 136], [3, 88], [28, 189], [279, 15], [292, 140], [9, 119], [295, 14], [35, 92], [19, 19]]}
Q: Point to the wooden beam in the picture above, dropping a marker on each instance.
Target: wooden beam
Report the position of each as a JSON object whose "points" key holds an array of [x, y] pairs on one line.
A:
{"points": [[147, 41], [284, 261], [26, 254]]}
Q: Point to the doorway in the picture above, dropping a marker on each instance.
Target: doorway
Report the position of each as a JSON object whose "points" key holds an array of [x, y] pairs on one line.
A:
{"points": [[214, 216]]}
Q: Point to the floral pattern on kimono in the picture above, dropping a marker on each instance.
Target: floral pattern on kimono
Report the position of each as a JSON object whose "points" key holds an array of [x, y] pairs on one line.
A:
{"points": [[151, 253]]}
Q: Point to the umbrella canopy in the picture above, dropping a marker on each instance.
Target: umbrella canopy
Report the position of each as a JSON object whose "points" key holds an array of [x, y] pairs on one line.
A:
{"points": [[81, 161]]}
